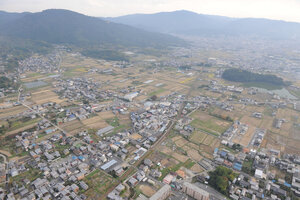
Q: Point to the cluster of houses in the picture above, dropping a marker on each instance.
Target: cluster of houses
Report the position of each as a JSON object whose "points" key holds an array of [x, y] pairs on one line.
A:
{"points": [[184, 127], [43, 64], [263, 183], [153, 120], [219, 88], [61, 179], [62, 162], [12, 77], [259, 182], [237, 128], [228, 159], [258, 137], [80, 89], [278, 123], [257, 115], [88, 89]]}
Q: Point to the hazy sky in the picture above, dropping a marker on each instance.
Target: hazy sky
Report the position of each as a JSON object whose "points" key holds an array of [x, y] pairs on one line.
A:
{"points": [[274, 9]]}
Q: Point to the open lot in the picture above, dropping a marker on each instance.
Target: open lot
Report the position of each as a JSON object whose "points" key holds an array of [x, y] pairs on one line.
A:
{"points": [[147, 190]]}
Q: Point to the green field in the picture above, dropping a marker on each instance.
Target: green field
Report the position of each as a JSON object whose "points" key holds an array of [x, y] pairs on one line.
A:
{"points": [[187, 164], [156, 92], [18, 124], [31, 175], [208, 126], [99, 182], [115, 122], [198, 137]]}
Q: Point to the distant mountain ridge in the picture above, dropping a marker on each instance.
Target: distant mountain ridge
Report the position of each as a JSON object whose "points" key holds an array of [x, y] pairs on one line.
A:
{"points": [[190, 23], [63, 26], [6, 17]]}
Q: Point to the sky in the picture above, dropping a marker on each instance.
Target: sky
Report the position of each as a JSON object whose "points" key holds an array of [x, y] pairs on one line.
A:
{"points": [[288, 10]]}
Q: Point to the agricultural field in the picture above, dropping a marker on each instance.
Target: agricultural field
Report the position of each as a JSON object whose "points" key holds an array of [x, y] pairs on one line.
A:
{"points": [[96, 122], [45, 96], [99, 182], [106, 115], [282, 143], [236, 115], [73, 127], [12, 111], [18, 126], [200, 145], [198, 136], [204, 122], [31, 174], [120, 123], [33, 76], [286, 138]]}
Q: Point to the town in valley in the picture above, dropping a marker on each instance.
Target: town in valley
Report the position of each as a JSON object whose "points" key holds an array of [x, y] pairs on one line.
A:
{"points": [[214, 119]]}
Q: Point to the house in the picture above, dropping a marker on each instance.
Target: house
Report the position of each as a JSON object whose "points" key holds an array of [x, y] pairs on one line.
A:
{"points": [[260, 174], [148, 162], [120, 188], [132, 182], [278, 191], [107, 166], [118, 170], [80, 176], [14, 172], [131, 96], [74, 188], [296, 181], [105, 130], [114, 196], [180, 173], [83, 185], [168, 179]]}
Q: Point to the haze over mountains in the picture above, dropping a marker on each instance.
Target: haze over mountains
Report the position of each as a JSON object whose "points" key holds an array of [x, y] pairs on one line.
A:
{"points": [[190, 23], [64, 26], [139, 30]]}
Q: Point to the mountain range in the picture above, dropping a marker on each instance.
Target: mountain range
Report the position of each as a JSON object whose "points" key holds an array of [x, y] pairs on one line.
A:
{"points": [[57, 26], [67, 27], [192, 24]]}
